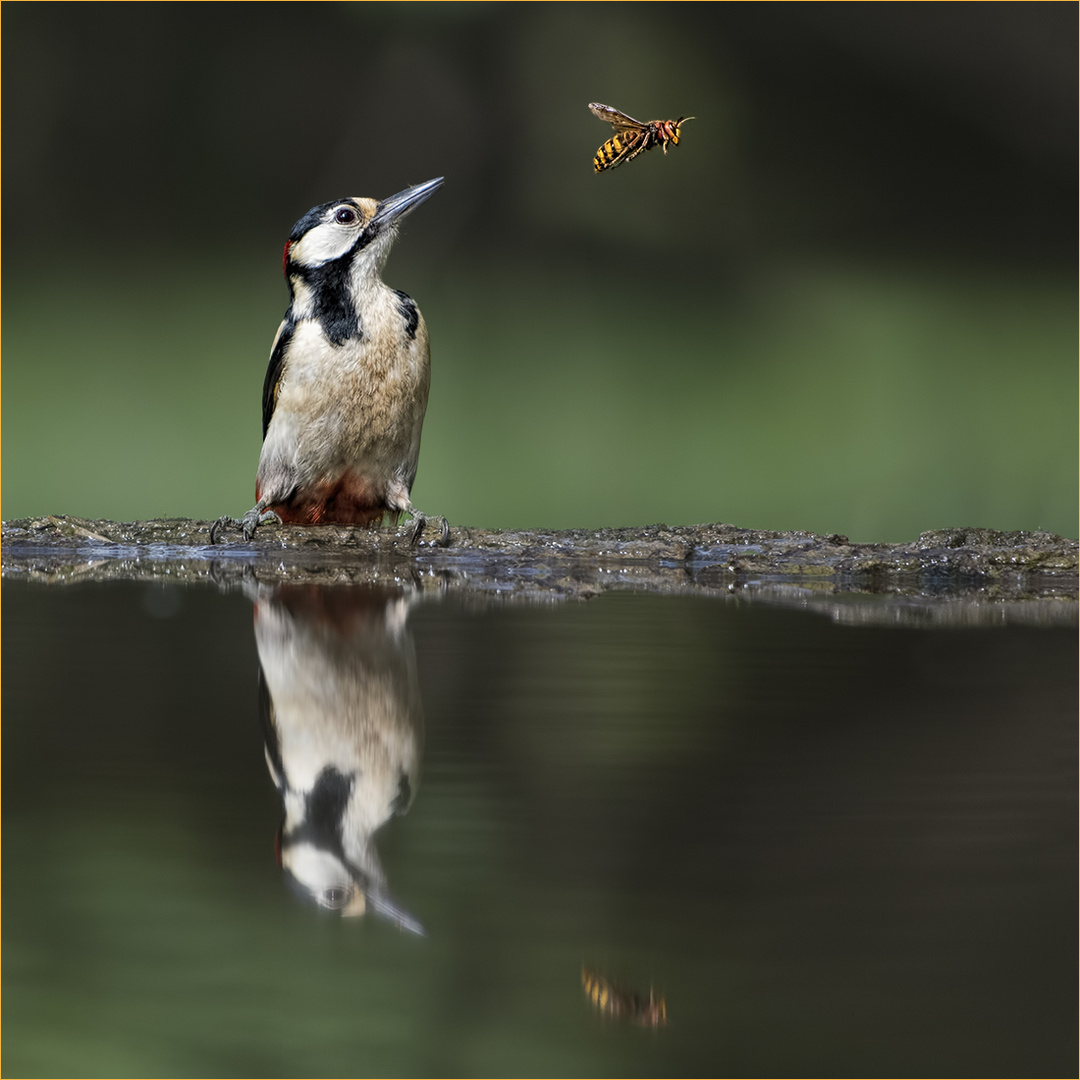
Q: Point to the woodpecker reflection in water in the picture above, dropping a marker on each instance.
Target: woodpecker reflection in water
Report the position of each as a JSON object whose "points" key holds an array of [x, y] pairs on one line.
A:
{"points": [[340, 704]]}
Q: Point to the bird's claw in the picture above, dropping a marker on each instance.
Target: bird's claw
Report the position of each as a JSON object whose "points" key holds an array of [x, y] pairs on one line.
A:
{"points": [[247, 524], [420, 522], [254, 518], [215, 529]]}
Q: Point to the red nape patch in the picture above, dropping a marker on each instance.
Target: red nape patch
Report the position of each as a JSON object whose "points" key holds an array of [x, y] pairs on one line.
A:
{"points": [[285, 258]]}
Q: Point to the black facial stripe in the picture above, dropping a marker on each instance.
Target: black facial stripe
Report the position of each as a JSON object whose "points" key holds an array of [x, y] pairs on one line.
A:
{"points": [[370, 232], [407, 310], [332, 301], [324, 811]]}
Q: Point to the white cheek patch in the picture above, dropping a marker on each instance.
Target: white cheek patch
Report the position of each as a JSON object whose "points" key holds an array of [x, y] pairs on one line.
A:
{"points": [[323, 244], [316, 870]]}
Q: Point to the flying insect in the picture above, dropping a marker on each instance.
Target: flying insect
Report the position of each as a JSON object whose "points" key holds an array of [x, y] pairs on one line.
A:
{"points": [[632, 137]]}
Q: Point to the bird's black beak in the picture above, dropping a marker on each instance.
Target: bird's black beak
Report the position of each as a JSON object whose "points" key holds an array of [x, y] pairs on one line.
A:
{"points": [[397, 206]]}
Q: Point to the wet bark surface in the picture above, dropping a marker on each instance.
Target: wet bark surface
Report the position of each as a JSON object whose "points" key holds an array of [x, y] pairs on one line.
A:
{"points": [[956, 576]]}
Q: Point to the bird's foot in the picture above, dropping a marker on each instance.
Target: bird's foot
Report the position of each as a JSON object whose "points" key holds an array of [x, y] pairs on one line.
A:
{"points": [[221, 523], [255, 517], [247, 524], [420, 523]]}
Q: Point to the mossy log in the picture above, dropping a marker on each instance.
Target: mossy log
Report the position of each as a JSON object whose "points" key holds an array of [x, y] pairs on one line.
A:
{"points": [[988, 574]]}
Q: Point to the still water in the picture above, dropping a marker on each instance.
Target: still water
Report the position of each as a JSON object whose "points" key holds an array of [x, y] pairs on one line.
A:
{"points": [[776, 844]]}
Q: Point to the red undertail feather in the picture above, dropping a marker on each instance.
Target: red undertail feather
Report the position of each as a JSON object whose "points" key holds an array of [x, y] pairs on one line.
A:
{"points": [[349, 500]]}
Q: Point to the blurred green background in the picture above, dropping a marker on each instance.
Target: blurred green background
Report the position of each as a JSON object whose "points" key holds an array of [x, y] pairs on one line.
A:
{"points": [[845, 303]]}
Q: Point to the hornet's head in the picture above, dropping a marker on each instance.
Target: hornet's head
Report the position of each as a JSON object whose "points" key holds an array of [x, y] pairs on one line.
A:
{"points": [[669, 130], [350, 231]]}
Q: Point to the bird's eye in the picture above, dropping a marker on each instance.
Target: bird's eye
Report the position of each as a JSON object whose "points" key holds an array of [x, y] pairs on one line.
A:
{"points": [[345, 215], [335, 897]]}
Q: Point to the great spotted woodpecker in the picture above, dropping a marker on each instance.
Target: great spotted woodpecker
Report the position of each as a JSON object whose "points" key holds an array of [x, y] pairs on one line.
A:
{"points": [[347, 385]]}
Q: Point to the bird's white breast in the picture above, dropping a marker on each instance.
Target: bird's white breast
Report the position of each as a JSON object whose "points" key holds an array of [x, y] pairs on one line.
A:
{"points": [[357, 406]]}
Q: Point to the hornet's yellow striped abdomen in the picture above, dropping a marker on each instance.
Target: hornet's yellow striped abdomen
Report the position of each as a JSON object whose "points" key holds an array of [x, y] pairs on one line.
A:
{"points": [[608, 153]]}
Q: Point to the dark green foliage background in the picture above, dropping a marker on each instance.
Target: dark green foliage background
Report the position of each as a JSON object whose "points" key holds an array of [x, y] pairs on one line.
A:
{"points": [[845, 303]]}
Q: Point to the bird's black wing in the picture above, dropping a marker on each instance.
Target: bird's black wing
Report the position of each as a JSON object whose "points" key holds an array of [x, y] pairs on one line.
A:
{"points": [[274, 372]]}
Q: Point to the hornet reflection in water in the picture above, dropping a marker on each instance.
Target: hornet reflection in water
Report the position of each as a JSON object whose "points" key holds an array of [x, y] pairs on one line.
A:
{"points": [[340, 704], [617, 1001]]}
